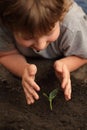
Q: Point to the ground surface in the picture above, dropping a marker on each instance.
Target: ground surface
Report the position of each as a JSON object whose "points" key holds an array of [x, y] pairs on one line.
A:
{"points": [[15, 114]]}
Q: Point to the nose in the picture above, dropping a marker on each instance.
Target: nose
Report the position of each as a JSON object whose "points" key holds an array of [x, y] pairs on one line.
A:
{"points": [[40, 44]]}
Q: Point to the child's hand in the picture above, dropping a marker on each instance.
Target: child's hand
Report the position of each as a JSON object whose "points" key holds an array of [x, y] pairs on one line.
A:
{"points": [[29, 85], [63, 74]]}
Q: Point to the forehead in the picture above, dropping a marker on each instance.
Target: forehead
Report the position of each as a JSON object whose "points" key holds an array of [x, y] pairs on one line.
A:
{"points": [[36, 35]]}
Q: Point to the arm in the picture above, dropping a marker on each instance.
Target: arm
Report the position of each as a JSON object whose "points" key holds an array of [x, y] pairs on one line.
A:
{"points": [[17, 64], [63, 67], [13, 61], [73, 62]]}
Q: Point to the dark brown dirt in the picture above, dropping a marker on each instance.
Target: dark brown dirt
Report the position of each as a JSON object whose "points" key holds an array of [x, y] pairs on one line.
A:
{"points": [[15, 114]]}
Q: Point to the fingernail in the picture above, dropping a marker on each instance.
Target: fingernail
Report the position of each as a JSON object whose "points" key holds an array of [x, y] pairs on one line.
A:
{"points": [[32, 102], [37, 97], [38, 89], [67, 98], [28, 103]]}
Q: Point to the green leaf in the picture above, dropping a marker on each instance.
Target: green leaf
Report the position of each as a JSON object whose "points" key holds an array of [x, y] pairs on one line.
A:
{"points": [[53, 94], [46, 95]]}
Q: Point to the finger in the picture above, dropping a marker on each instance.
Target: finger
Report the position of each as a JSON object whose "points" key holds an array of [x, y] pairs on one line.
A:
{"points": [[67, 91], [66, 76], [29, 97], [32, 83], [64, 82], [31, 90]]}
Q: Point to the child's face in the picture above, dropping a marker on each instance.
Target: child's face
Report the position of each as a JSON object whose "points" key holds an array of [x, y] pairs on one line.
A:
{"points": [[41, 42]]}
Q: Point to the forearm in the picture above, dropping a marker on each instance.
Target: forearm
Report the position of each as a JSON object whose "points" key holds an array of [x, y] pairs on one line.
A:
{"points": [[73, 62], [15, 63]]}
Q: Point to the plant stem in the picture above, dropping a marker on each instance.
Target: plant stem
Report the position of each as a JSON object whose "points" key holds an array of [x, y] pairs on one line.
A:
{"points": [[51, 105]]}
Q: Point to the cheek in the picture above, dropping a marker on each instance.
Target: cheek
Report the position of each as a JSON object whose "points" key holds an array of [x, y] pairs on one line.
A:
{"points": [[22, 42], [54, 36]]}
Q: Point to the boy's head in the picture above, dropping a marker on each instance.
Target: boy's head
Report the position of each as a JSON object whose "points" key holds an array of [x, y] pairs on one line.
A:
{"points": [[33, 17]]}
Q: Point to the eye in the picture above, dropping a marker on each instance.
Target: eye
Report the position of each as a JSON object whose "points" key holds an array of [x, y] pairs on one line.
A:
{"points": [[27, 37], [51, 32]]}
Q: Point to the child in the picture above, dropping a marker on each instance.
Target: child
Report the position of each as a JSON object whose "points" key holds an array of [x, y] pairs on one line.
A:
{"points": [[52, 29]]}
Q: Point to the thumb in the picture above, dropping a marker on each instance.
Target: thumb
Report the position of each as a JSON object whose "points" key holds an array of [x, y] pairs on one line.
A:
{"points": [[66, 76]]}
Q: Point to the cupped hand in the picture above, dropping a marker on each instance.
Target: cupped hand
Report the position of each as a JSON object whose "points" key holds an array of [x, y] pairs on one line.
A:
{"points": [[63, 74], [29, 85]]}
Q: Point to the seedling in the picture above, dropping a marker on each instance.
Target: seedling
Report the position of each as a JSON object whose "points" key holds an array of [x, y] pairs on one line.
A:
{"points": [[51, 96]]}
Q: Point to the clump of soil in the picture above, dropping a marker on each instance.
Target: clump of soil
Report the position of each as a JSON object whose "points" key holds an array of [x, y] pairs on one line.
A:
{"points": [[15, 114]]}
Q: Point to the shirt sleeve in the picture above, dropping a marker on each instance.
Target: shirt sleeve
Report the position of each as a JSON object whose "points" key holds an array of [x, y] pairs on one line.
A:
{"points": [[74, 42], [6, 40], [73, 38]]}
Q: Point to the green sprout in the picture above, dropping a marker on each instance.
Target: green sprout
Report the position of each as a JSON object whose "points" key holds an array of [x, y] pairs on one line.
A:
{"points": [[51, 96]]}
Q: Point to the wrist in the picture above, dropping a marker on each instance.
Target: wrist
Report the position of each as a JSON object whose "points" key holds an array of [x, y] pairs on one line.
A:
{"points": [[59, 64], [30, 68]]}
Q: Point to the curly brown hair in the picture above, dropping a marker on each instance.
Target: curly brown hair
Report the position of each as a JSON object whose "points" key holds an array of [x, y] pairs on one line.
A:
{"points": [[32, 16]]}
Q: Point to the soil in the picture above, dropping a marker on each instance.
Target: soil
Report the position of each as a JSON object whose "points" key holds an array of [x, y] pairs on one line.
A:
{"points": [[15, 114]]}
